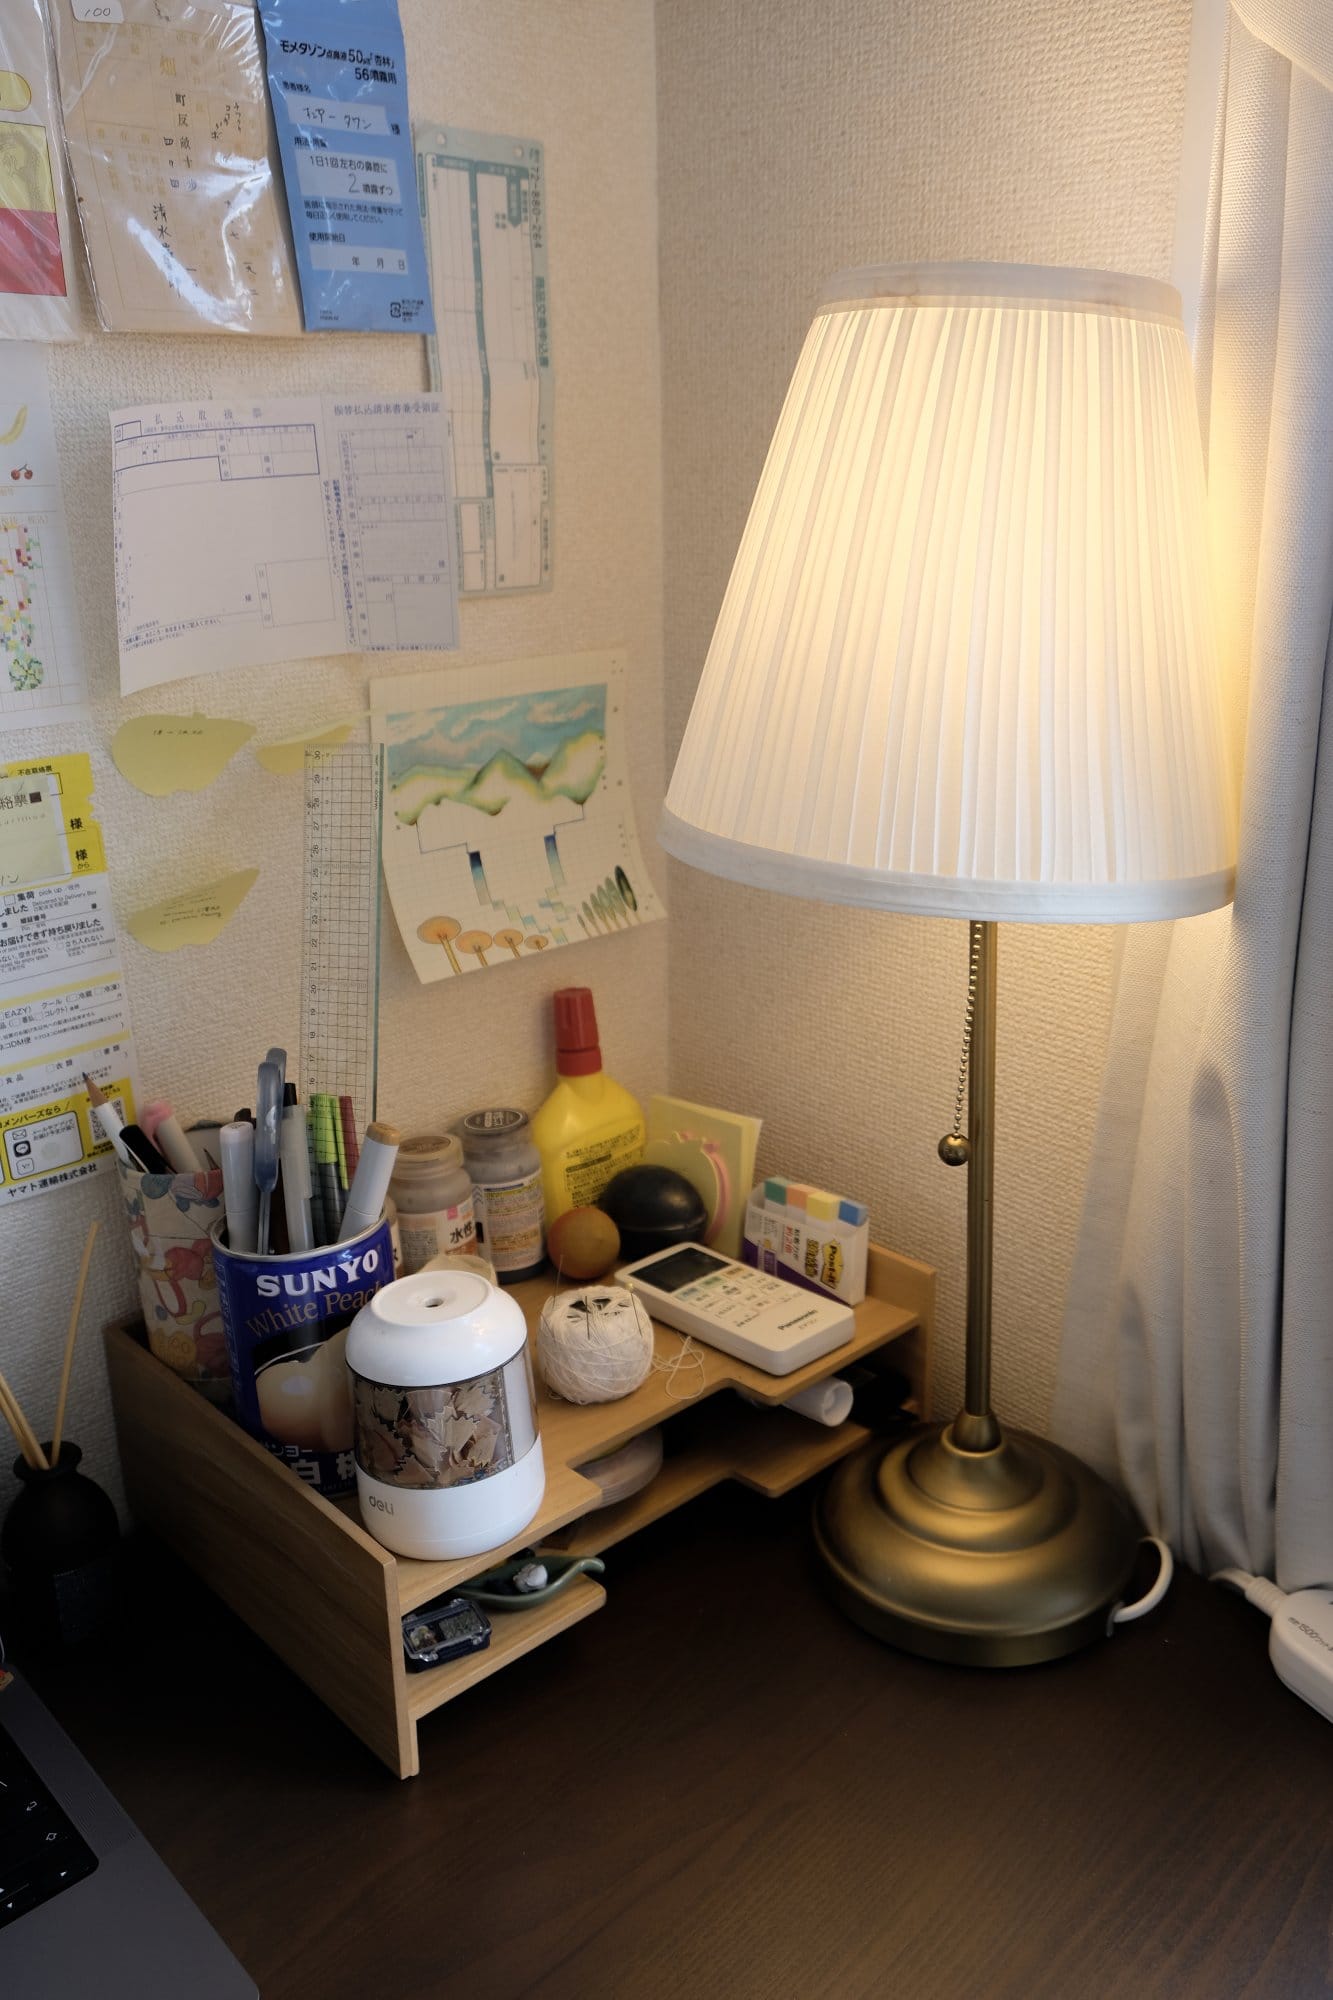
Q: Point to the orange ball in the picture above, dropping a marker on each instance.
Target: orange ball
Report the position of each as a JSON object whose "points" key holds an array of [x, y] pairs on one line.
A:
{"points": [[583, 1243]]}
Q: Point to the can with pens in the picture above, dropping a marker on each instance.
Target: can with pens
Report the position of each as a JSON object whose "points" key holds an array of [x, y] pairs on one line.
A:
{"points": [[286, 1320], [171, 1219]]}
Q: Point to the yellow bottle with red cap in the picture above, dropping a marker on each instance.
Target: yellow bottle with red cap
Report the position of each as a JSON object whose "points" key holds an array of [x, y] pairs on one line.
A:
{"points": [[590, 1126]]}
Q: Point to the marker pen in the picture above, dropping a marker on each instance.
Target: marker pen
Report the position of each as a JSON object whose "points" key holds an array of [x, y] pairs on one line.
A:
{"points": [[163, 1127], [370, 1183], [240, 1196]]}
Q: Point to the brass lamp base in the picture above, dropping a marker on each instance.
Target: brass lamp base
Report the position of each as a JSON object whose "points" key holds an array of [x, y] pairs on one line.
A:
{"points": [[998, 1557]]}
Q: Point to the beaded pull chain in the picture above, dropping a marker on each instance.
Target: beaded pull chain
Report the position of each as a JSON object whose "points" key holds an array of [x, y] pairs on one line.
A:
{"points": [[954, 1149]]}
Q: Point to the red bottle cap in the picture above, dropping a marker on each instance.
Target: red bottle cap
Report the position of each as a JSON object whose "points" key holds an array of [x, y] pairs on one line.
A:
{"points": [[577, 1049]]}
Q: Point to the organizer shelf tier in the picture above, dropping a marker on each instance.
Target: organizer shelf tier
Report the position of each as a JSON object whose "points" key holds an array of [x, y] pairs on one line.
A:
{"points": [[305, 1575]]}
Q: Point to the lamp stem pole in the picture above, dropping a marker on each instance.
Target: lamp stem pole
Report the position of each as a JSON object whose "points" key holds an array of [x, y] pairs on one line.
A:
{"points": [[975, 1429]]}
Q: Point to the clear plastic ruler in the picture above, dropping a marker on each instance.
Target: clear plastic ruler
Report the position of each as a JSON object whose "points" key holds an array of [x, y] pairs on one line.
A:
{"points": [[340, 957]]}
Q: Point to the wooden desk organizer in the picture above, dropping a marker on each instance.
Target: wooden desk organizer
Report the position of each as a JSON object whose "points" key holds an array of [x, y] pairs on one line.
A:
{"points": [[305, 1575]]}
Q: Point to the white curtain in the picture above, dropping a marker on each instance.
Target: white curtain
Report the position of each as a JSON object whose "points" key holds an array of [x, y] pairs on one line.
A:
{"points": [[1197, 1361]]}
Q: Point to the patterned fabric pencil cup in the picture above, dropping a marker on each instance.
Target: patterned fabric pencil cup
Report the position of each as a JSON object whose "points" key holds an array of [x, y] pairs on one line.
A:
{"points": [[171, 1217]]}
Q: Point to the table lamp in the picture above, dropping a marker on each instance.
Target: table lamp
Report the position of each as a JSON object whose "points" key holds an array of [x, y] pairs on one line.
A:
{"points": [[966, 667]]}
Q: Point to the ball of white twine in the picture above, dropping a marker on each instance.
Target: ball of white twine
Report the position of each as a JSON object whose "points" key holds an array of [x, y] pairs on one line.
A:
{"points": [[595, 1344]]}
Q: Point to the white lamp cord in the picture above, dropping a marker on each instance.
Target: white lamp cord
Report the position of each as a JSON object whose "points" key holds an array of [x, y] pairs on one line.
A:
{"points": [[1124, 1614], [1254, 1589]]}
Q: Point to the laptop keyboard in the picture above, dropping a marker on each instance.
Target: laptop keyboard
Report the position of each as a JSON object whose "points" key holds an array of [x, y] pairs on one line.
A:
{"points": [[42, 1852]]}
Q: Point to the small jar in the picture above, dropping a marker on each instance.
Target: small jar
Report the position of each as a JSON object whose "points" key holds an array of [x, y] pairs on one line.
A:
{"points": [[432, 1193], [506, 1172]]}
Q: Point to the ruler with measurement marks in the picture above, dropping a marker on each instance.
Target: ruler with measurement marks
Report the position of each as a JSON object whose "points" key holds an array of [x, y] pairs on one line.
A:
{"points": [[340, 955]]}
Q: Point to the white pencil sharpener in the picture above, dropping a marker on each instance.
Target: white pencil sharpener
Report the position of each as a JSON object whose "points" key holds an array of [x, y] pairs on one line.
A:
{"points": [[448, 1460]]}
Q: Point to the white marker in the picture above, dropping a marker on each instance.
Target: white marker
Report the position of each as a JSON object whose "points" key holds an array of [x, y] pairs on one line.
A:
{"points": [[240, 1196], [370, 1182]]}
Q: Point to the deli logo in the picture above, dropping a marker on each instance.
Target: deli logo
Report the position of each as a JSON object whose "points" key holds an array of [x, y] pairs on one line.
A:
{"points": [[331, 1278]]}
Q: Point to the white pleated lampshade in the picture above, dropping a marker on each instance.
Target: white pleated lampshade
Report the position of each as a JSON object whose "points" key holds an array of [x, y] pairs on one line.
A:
{"points": [[966, 663]]}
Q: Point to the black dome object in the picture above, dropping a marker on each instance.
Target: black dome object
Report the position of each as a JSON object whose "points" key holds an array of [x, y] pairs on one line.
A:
{"points": [[653, 1207]]}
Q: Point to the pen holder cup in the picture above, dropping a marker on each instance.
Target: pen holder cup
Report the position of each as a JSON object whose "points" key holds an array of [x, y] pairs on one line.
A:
{"points": [[286, 1321], [171, 1218]]}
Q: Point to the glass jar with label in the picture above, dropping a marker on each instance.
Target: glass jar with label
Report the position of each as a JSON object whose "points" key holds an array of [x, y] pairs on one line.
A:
{"points": [[432, 1191], [506, 1172]]}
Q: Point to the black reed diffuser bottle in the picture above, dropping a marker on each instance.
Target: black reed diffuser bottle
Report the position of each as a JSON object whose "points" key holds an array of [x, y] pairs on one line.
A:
{"points": [[59, 1544]]}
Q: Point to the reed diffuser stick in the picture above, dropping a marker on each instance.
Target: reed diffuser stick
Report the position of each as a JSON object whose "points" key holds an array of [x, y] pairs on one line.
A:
{"points": [[24, 1435], [70, 1338]]}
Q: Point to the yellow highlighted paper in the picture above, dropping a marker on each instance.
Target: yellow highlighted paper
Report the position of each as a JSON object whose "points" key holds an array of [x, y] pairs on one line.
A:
{"points": [[161, 754], [63, 1008], [25, 169], [196, 916], [47, 832], [287, 758], [32, 837]]}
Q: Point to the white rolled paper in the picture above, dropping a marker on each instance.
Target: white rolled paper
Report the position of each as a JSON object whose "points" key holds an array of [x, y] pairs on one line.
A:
{"points": [[827, 1403]]}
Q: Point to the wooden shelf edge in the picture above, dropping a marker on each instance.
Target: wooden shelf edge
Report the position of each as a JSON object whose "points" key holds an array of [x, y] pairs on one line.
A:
{"points": [[513, 1633], [131, 1356]]}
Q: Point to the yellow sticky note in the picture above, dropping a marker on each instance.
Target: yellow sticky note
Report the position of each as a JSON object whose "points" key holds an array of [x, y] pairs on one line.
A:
{"points": [[15, 91], [194, 917], [161, 754], [288, 757]]}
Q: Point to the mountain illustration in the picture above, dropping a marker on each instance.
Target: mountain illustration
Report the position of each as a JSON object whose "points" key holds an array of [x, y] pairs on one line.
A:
{"points": [[575, 768], [503, 781], [499, 780]]}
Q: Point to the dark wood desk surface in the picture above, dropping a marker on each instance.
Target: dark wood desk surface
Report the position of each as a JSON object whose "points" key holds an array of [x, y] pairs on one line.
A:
{"points": [[717, 1787]]}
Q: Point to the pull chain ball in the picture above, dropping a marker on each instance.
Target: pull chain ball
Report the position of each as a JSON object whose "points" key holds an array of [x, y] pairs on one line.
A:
{"points": [[954, 1150]]}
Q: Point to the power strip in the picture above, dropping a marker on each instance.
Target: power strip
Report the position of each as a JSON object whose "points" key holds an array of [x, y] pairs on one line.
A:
{"points": [[1300, 1638]]}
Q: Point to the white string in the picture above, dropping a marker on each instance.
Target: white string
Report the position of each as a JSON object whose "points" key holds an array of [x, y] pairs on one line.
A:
{"points": [[687, 1352]]}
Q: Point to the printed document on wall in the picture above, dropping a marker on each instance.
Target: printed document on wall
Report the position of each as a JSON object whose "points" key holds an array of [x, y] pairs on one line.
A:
{"points": [[63, 1009], [171, 147], [508, 817], [42, 677], [485, 207], [248, 533], [38, 290]]}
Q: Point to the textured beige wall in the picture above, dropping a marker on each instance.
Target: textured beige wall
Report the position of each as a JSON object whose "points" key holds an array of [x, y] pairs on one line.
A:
{"points": [[793, 141], [579, 77]]}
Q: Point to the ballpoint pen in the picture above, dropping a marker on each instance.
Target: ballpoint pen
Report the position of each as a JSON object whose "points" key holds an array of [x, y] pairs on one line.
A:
{"points": [[268, 1117]]}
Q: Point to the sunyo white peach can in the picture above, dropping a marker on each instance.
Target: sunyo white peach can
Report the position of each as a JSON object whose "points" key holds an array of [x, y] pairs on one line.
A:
{"points": [[286, 1321]]}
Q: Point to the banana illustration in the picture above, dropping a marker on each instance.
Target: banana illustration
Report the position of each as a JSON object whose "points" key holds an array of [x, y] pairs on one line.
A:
{"points": [[15, 431]]}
